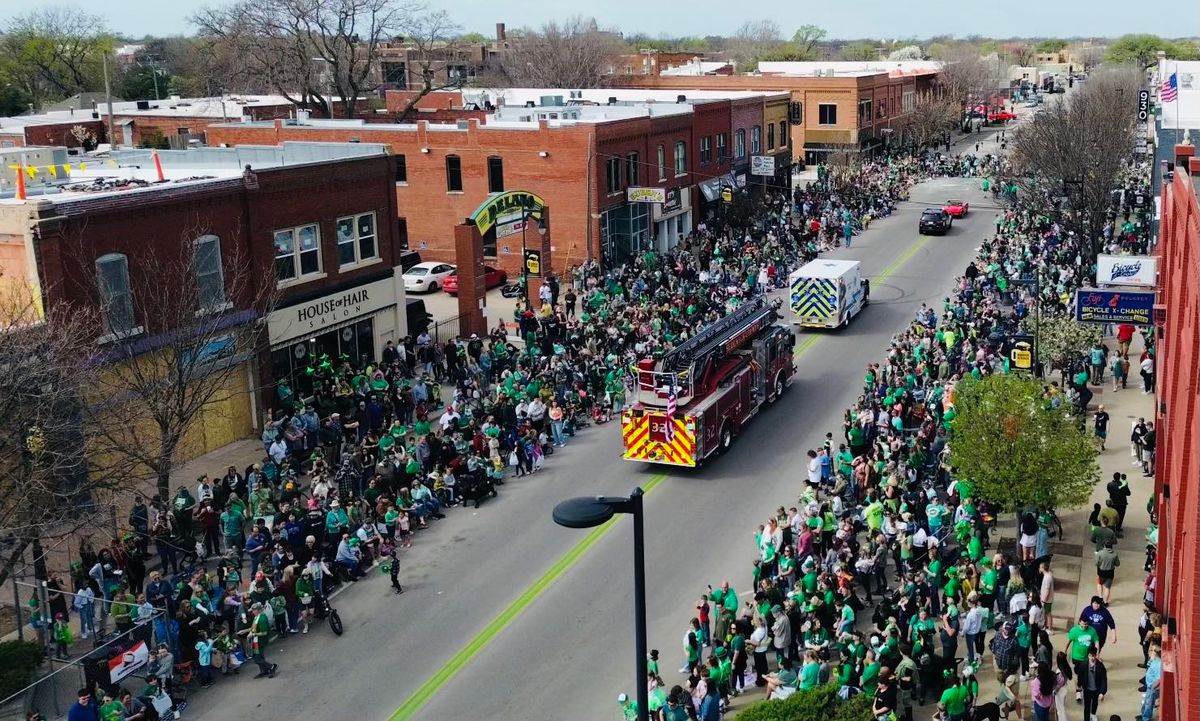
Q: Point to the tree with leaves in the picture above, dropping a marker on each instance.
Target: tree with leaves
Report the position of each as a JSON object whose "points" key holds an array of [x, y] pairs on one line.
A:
{"points": [[1138, 49], [1015, 449], [861, 50], [1061, 338], [1051, 45], [806, 41], [54, 52]]}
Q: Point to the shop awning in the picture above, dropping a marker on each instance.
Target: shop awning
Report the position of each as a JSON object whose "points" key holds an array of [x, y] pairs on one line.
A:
{"points": [[711, 188]]}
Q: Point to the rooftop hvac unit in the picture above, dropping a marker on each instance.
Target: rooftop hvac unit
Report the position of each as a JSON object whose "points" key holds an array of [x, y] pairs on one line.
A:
{"points": [[551, 100], [681, 98], [530, 104], [612, 100], [143, 105]]}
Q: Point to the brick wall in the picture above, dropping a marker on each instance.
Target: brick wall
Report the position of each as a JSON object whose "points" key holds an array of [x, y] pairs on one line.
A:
{"points": [[60, 133], [1178, 422], [430, 211]]}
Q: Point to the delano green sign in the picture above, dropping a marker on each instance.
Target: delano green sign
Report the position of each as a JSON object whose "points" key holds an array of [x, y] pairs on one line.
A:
{"points": [[498, 205]]}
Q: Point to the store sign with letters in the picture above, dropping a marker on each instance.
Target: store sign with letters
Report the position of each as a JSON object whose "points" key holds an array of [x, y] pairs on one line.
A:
{"points": [[762, 165], [1095, 305], [646, 195], [1127, 270], [312, 317]]}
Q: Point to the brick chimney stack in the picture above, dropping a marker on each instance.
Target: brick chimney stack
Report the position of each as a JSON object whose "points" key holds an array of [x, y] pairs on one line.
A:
{"points": [[500, 37]]}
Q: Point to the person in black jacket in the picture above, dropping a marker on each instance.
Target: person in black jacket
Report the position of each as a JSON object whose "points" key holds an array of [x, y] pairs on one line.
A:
{"points": [[1094, 681]]}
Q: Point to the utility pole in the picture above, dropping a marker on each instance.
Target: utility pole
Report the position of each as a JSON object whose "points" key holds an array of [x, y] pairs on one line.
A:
{"points": [[112, 140]]}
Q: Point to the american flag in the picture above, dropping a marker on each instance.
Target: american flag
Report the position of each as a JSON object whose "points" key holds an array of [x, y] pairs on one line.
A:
{"points": [[1170, 89]]}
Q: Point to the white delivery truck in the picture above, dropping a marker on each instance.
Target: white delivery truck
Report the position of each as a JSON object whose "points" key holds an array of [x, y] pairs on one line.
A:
{"points": [[828, 293]]}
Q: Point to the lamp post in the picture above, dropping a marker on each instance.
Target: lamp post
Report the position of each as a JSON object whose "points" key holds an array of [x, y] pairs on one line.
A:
{"points": [[588, 512], [526, 214]]}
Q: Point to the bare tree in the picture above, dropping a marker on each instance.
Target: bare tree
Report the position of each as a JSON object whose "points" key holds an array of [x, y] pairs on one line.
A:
{"points": [[1075, 149], [47, 489], [200, 325], [752, 41], [572, 54], [966, 78], [321, 49], [931, 119], [433, 39]]}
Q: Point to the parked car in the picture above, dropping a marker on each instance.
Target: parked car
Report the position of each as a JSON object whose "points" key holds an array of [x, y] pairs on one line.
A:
{"points": [[956, 208], [934, 221], [426, 277], [409, 258], [492, 277]]}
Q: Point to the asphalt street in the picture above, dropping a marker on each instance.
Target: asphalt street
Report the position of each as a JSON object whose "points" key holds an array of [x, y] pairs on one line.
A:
{"points": [[508, 616]]}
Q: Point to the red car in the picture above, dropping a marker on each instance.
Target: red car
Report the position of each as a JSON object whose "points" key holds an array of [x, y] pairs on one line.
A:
{"points": [[491, 278], [956, 209]]}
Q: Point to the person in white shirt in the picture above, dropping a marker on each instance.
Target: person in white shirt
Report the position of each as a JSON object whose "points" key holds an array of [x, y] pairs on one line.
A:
{"points": [[760, 644], [449, 418], [1046, 593], [814, 469]]}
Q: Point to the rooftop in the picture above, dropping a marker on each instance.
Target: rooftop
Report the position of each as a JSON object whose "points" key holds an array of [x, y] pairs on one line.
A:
{"points": [[133, 171], [849, 68], [599, 96], [226, 107]]}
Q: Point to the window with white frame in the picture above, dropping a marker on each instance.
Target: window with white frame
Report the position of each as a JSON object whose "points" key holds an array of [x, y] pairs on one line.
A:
{"points": [[827, 114], [680, 157], [297, 252], [662, 163], [756, 140], [210, 277], [739, 144], [783, 134], [356, 239], [116, 293], [706, 150], [722, 151]]}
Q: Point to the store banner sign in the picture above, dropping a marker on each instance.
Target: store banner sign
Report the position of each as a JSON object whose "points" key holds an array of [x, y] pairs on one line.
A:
{"points": [[1139, 270], [762, 165], [673, 202], [1095, 305], [646, 195], [311, 317]]}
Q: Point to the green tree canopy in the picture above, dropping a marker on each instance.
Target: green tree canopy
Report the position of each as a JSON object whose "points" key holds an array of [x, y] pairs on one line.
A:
{"points": [[1060, 338], [1052, 45], [1141, 49], [1015, 450]]}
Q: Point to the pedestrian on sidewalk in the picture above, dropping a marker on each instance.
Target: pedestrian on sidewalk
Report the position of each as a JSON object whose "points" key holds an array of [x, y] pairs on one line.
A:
{"points": [[1100, 620], [1118, 496], [1107, 561], [1147, 373], [1149, 440], [1094, 683], [1101, 424], [1136, 433], [1153, 684]]}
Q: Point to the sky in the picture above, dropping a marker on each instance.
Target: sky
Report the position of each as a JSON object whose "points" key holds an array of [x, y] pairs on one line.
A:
{"points": [[885, 19]]}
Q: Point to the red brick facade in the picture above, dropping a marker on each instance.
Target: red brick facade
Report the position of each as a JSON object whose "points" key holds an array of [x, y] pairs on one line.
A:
{"points": [[244, 214], [1178, 421]]}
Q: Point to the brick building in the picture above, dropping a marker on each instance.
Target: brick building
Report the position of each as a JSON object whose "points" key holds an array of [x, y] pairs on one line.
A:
{"points": [[314, 219], [834, 105], [1177, 321], [581, 153]]}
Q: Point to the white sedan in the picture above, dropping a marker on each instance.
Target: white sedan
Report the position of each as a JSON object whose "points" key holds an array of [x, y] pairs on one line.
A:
{"points": [[426, 277]]}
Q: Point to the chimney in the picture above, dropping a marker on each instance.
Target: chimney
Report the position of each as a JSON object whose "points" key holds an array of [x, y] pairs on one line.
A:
{"points": [[500, 38]]}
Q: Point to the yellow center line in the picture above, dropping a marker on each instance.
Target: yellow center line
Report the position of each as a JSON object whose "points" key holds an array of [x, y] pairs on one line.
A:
{"points": [[513, 610]]}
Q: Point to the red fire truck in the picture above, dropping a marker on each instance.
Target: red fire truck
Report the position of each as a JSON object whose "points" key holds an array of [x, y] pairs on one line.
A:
{"points": [[699, 396]]}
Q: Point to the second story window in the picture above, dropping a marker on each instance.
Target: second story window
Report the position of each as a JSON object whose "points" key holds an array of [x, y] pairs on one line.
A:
{"points": [[210, 278], [401, 169], [356, 239], [706, 150], [632, 169], [827, 114], [116, 294], [680, 157], [783, 133], [662, 163], [612, 181], [297, 252], [770, 136], [453, 174], [739, 144], [722, 151], [495, 175], [756, 140]]}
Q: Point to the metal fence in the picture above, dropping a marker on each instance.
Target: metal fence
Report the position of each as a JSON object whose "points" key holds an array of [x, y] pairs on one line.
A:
{"points": [[444, 330]]}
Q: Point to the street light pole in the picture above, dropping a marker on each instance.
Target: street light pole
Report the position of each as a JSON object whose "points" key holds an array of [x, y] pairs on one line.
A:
{"points": [[588, 512]]}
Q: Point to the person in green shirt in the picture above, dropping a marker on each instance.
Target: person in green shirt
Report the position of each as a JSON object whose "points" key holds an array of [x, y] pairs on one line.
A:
{"points": [[111, 709], [1081, 639], [259, 633], [953, 702], [810, 672], [870, 673], [629, 707]]}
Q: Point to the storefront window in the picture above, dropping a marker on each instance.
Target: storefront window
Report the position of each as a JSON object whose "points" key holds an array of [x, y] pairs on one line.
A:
{"points": [[291, 363]]}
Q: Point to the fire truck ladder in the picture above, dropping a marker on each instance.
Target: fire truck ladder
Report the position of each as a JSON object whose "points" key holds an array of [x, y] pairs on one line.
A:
{"points": [[696, 356]]}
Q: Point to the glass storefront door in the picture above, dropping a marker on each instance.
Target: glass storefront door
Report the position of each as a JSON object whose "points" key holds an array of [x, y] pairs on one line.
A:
{"points": [[355, 341]]}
